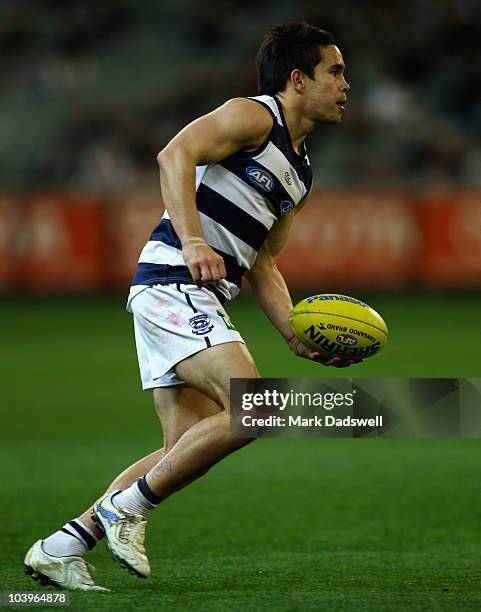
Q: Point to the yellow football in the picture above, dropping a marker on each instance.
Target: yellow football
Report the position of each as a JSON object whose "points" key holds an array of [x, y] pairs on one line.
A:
{"points": [[339, 326]]}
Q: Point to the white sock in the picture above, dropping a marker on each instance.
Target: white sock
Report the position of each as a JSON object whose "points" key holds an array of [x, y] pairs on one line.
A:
{"points": [[74, 539], [133, 500]]}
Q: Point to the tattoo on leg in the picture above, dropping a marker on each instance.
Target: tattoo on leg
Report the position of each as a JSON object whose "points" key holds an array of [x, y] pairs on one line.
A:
{"points": [[164, 466]]}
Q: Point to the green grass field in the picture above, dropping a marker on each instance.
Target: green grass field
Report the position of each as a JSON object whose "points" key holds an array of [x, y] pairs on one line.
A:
{"points": [[284, 524]]}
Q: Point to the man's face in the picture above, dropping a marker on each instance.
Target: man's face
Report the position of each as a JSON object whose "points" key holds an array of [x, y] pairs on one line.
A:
{"points": [[326, 93]]}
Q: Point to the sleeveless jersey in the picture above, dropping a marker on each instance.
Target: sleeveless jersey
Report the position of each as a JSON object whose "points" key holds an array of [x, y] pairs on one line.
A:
{"points": [[239, 199]]}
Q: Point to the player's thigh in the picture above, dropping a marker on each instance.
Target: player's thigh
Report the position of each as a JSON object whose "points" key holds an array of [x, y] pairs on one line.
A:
{"points": [[210, 370], [178, 408]]}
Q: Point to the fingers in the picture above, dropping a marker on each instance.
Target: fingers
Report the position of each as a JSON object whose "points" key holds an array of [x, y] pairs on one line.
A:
{"points": [[302, 350], [343, 364], [204, 264], [333, 361], [337, 362], [196, 273], [213, 273]]}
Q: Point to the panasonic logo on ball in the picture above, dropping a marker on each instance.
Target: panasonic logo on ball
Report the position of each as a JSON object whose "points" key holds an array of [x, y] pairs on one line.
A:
{"points": [[338, 298]]}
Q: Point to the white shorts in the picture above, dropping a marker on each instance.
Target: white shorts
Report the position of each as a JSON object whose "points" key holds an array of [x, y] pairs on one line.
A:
{"points": [[172, 322]]}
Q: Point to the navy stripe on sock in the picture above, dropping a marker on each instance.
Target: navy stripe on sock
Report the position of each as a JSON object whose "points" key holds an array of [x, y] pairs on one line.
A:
{"points": [[147, 492], [72, 535], [84, 534]]}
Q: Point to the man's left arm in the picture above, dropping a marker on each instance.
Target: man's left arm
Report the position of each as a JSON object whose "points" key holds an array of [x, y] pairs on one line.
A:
{"points": [[272, 294], [268, 283]]}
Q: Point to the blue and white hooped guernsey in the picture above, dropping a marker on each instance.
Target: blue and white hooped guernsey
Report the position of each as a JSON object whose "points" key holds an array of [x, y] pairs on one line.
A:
{"points": [[239, 199]]}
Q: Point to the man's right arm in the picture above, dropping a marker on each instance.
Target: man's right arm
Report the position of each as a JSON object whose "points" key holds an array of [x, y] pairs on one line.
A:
{"points": [[238, 124]]}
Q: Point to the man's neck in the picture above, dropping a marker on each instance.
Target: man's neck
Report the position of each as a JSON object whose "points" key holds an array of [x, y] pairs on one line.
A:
{"points": [[297, 124]]}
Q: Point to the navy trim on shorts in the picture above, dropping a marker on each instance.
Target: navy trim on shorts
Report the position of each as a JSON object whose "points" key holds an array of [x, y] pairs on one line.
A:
{"points": [[161, 274], [189, 301], [165, 233]]}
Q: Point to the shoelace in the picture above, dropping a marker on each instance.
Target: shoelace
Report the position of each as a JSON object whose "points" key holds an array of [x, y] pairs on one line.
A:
{"points": [[125, 529]]}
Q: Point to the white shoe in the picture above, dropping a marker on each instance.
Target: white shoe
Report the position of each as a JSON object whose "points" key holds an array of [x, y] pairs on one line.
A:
{"points": [[125, 534], [62, 572]]}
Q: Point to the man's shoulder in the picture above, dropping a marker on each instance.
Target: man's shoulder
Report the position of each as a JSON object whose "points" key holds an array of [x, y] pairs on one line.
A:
{"points": [[246, 118], [249, 108]]}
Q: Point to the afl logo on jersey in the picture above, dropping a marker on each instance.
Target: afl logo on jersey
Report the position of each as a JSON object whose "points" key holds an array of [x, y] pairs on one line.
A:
{"points": [[260, 177]]}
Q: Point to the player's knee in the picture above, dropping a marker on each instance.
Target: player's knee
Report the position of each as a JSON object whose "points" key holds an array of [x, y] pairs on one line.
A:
{"points": [[223, 391], [169, 441], [252, 371]]}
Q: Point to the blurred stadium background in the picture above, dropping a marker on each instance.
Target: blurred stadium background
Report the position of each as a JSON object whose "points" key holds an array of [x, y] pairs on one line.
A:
{"points": [[90, 92]]}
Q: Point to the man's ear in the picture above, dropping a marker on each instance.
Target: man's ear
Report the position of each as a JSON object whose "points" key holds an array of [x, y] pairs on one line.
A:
{"points": [[297, 79]]}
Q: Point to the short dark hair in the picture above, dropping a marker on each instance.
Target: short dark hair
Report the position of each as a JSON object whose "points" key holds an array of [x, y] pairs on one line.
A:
{"points": [[290, 45]]}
